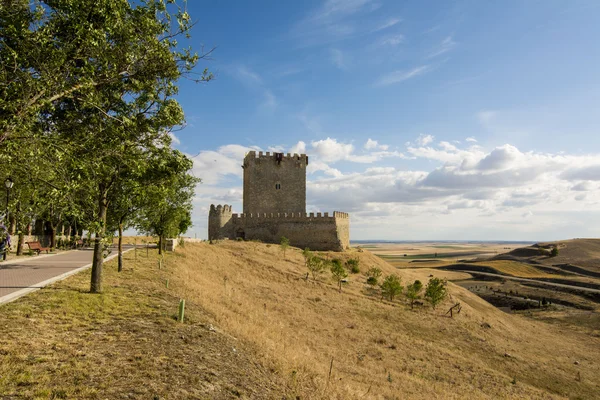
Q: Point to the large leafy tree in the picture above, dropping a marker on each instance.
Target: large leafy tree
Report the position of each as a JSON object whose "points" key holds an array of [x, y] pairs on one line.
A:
{"points": [[166, 211], [127, 109]]}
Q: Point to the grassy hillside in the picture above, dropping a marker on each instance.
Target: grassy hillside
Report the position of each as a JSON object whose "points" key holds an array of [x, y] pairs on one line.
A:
{"points": [[64, 343], [257, 329], [584, 253], [381, 349]]}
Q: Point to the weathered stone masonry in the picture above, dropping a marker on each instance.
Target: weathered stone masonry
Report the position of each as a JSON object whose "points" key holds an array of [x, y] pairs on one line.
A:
{"points": [[275, 206]]}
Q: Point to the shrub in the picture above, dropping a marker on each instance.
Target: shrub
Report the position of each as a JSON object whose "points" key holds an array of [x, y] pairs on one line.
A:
{"points": [[391, 286], [435, 291], [338, 272], [181, 242], [315, 265], [353, 265], [413, 290], [554, 251], [373, 275]]}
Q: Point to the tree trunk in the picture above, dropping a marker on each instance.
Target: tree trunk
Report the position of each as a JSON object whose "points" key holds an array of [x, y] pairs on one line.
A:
{"points": [[160, 243], [120, 268], [96, 282], [52, 237]]}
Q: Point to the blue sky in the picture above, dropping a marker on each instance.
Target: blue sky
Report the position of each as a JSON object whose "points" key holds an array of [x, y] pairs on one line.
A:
{"points": [[425, 120]]}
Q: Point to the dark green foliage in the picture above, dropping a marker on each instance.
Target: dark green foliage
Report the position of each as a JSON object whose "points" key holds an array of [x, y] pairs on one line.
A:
{"points": [[554, 251], [353, 265], [391, 286], [316, 265], [373, 275], [413, 290], [435, 291], [339, 272]]}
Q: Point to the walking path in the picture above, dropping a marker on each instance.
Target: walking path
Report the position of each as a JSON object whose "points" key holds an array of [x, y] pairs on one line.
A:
{"points": [[23, 276]]}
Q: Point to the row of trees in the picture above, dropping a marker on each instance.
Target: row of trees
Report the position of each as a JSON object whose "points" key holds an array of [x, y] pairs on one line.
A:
{"points": [[391, 286], [87, 109]]}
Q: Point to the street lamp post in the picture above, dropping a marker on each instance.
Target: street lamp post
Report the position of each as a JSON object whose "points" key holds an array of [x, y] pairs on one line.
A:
{"points": [[9, 184]]}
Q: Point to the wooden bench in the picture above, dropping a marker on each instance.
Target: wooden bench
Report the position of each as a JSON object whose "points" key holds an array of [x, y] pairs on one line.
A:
{"points": [[37, 247]]}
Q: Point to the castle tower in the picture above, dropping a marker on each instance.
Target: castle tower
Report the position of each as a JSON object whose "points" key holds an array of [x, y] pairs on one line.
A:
{"points": [[274, 183], [218, 219]]}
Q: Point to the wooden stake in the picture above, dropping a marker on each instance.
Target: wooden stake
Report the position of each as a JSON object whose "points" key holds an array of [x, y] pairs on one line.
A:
{"points": [[167, 284], [330, 369]]}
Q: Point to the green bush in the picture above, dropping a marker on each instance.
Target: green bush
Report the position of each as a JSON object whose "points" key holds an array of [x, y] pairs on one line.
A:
{"points": [[554, 251], [353, 265], [338, 272], [373, 275], [391, 286], [316, 265], [413, 290]]}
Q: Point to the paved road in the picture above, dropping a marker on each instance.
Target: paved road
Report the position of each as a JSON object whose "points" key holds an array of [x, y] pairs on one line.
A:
{"points": [[559, 285], [19, 277]]}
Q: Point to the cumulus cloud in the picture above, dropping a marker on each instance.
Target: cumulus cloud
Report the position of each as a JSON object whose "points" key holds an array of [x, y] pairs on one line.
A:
{"points": [[298, 148], [330, 150], [424, 140], [373, 144], [499, 186]]}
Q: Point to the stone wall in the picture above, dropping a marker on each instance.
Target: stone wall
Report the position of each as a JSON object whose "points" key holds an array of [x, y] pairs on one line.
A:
{"points": [[273, 184], [315, 231]]}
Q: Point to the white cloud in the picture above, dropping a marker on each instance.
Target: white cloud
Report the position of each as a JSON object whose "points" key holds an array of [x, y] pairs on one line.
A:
{"points": [[246, 75], [174, 139], [387, 24], [471, 139], [299, 148], [391, 40], [373, 145], [513, 193], [445, 46], [330, 150], [401, 75], [424, 140]]}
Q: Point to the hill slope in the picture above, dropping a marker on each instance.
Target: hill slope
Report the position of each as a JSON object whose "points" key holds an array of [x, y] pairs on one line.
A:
{"points": [[583, 253], [381, 349]]}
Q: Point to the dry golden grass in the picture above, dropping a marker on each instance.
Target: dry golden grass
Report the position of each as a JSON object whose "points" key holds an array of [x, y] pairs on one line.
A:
{"points": [[64, 343], [381, 350], [515, 268]]}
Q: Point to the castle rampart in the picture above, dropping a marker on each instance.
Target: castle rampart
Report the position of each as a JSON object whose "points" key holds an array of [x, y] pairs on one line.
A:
{"points": [[275, 206]]}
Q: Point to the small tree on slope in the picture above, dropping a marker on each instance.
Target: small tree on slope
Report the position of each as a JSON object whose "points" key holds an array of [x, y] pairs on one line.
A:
{"points": [[435, 291], [391, 286], [413, 290], [338, 272]]}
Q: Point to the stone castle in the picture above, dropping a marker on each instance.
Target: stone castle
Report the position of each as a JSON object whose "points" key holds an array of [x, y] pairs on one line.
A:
{"points": [[275, 206]]}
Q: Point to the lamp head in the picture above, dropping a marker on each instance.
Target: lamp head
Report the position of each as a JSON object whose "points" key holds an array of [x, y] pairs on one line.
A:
{"points": [[8, 183]]}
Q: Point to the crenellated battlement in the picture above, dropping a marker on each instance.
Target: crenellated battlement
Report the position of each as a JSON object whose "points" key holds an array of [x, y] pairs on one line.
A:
{"points": [[290, 216], [220, 210], [253, 157]]}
